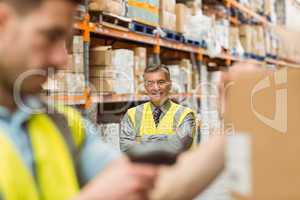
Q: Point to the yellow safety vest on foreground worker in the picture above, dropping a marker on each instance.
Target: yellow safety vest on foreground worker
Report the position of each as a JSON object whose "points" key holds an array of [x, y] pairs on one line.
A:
{"points": [[143, 122], [55, 168]]}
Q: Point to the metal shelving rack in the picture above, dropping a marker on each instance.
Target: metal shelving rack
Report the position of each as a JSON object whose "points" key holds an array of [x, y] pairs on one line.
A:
{"points": [[87, 27]]}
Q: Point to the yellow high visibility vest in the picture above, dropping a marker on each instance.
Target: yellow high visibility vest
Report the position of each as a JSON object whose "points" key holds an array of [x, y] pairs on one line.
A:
{"points": [[166, 125], [54, 167]]}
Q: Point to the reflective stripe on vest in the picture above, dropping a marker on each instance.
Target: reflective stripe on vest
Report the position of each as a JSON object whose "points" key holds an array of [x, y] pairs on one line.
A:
{"points": [[146, 125], [55, 171]]}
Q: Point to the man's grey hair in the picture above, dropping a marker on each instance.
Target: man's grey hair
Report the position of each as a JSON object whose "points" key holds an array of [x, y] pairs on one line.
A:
{"points": [[156, 68]]}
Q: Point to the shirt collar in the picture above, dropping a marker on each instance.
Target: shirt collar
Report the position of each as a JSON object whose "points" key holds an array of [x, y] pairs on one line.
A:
{"points": [[31, 105], [164, 108]]}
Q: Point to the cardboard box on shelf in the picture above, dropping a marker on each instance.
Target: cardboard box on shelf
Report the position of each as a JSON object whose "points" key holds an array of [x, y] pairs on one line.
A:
{"points": [[111, 6], [168, 5], [168, 20], [101, 57], [65, 82], [77, 45], [263, 111], [102, 72], [101, 85], [140, 56], [246, 37], [181, 17], [77, 62], [140, 52]]}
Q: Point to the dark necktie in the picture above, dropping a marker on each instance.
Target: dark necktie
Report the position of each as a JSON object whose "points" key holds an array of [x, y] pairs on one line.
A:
{"points": [[156, 115]]}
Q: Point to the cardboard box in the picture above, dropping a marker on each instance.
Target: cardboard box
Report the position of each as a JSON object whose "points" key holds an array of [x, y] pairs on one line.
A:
{"points": [[111, 6], [181, 17], [140, 52], [102, 72], [101, 85], [168, 20], [65, 82], [77, 62], [77, 45], [100, 57], [168, 5], [262, 117], [140, 56], [246, 38]]}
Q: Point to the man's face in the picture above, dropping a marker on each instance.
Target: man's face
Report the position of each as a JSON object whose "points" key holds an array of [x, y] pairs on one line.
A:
{"points": [[33, 43], [157, 86]]}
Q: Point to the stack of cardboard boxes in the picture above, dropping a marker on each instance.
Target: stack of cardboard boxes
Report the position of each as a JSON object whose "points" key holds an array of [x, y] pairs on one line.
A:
{"points": [[69, 79], [116, 7], [168, 14], [140, 57], [111, 71], [182, 76], [252, 38]]}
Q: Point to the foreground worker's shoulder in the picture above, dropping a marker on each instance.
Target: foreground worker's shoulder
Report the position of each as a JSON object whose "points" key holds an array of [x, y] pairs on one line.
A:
{"points": [[75, 122]]}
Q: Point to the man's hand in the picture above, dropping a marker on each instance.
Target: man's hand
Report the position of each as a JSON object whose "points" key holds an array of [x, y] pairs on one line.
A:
{"points": [[121, 180]]}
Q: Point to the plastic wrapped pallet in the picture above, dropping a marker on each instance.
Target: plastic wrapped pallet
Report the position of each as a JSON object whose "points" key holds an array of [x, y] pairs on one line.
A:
{"points": [[222, 33], [198, 27], [144, 11], [178, 79]]}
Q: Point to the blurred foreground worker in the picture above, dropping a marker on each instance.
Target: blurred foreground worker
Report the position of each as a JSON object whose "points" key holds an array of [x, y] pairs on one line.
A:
{"points": [[51, 155], [160, 120]]}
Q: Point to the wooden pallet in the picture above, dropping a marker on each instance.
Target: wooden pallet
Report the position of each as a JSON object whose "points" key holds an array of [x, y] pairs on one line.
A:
{"points": [[111, 20]]}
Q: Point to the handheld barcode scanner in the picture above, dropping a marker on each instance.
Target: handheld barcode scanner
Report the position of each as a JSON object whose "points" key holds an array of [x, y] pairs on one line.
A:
{"points": [[152, 154]]}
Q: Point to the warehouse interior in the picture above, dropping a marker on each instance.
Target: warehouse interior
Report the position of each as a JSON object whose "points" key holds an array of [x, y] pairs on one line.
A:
{"points": [[230, 65]]}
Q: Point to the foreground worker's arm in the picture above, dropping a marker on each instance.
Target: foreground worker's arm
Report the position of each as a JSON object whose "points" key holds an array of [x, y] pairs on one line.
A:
{"points": [[121, 180], [195, 170]]}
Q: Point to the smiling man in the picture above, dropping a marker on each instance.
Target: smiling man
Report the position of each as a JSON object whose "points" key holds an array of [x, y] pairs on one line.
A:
{"points": [[160, 120]]}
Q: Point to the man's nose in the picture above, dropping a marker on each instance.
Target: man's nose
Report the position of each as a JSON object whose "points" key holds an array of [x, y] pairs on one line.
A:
{"points": [[59, 56]]}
